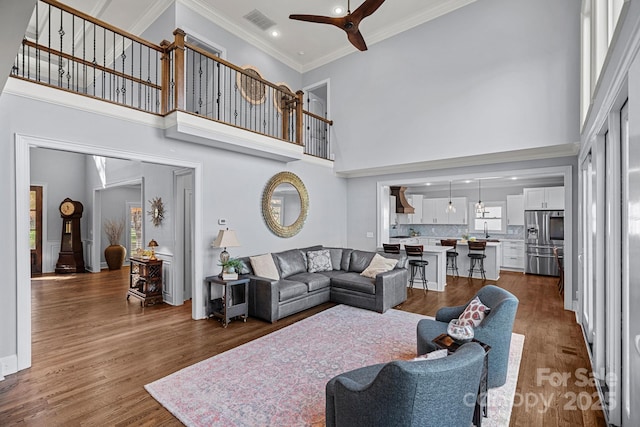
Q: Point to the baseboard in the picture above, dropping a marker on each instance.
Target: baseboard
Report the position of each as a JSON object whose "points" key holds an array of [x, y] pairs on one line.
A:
{"points": [[8, 365]]}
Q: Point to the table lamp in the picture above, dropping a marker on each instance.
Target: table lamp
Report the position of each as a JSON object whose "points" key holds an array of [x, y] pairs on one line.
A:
{"points": [[153, 245], [226, 239]]}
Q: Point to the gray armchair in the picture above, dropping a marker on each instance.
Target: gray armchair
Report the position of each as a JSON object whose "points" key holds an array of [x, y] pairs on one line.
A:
{"points": [[494, 330], [424, 393]]}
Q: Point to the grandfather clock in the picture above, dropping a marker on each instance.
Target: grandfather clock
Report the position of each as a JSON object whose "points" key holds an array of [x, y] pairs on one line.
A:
{"points": [[71, 258]]}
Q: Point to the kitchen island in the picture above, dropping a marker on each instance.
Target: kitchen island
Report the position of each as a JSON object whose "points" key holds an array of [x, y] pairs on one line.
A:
{"points": [[492, 262], [437, 269]]}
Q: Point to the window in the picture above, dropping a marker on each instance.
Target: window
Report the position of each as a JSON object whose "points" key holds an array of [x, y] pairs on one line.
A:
{"points": [[492, 216]]}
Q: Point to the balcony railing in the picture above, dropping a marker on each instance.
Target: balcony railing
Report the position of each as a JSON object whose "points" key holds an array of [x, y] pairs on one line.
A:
{"points": [[69, 50]]}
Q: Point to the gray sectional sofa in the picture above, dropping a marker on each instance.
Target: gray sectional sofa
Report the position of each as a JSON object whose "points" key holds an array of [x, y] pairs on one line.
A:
{"points": [[297, 289]]}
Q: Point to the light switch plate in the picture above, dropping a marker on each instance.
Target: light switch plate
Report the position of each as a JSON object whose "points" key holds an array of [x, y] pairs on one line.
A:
{"points": [[222, 221], [370, 234], [638, 343]]}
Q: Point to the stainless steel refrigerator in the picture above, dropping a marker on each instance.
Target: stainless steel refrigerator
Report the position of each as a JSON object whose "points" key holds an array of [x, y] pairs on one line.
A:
{"points": [[543, 231]]}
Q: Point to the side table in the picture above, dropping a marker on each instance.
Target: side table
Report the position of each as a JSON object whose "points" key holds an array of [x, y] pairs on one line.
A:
{"points": [[444, 341], [234, 301]]}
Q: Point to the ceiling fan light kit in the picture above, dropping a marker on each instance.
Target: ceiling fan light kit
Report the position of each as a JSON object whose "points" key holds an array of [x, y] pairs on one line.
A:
{"points": [[349, 23]]}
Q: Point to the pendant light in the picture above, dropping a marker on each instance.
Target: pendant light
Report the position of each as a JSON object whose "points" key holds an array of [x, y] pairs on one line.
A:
{"points": [[479, 205], [450, 207]]}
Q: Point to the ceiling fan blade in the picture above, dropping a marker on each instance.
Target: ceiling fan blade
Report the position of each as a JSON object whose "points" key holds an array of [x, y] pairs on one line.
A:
{"points": [[357, 40], [366, 9], [318, 19]]}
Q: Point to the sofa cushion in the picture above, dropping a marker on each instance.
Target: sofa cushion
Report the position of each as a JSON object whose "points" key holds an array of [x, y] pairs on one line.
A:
{"points": [[336, 257], [354, 282], [319, 261], [346, 259], [313, 281], [290, 262], [289, 289], [378, 264], [360, 260], [264, 266]]}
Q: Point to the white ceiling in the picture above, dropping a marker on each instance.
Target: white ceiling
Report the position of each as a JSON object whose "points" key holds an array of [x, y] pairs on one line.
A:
{"points": [[301, 45]]}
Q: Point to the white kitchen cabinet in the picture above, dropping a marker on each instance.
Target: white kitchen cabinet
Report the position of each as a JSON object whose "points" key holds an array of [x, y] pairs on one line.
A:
{"points": [[513, 254], [434, 211], [555, 198], [515, 209], [415, 200], [551, 198]]}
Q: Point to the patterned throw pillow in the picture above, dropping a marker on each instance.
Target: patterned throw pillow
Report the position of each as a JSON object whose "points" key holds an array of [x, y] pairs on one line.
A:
{"points": [[474, 313], [319, 261], [379, 264]]}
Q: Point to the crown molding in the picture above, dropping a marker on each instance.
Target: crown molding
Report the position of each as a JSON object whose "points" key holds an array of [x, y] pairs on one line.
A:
{"points": [[201, 8], [538, 153]]}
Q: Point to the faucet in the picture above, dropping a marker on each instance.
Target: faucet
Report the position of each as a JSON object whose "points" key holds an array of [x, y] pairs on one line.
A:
{"points": [[486, 230]]}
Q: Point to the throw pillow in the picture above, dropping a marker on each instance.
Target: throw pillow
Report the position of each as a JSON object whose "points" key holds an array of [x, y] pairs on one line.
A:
{"points": [[379, 264], [319, 261], [264, 266], [474, 313], [438, 354]]}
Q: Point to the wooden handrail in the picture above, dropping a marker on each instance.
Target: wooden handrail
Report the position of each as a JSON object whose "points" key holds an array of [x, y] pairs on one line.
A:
{"points": [[90, 64], [236, 68], [97, 21], [317, 117]]}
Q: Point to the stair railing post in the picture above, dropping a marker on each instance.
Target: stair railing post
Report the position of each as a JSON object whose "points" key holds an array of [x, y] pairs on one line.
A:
{"points": [[178, 74], [299, 116], [166, 77]]}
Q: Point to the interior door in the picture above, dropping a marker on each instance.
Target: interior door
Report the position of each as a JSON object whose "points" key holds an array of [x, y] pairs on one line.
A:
{"points": [[35, 229]]}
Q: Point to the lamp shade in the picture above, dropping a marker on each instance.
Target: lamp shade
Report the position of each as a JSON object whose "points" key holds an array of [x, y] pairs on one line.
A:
{"points": [[152, 244], [226, 239]]}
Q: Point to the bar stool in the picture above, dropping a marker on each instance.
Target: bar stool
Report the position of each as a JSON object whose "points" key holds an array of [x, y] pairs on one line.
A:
{"points": [[476, 258], [391, 248], [417, 266], [452, 255]]}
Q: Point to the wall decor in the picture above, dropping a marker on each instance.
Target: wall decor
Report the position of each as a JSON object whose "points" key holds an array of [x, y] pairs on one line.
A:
{"points": [[156, 211], [251, 86], [285, 204]]}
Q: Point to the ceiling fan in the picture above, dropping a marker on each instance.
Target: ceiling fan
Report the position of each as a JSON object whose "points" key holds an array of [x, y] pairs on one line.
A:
{"points": [[348, 23]]}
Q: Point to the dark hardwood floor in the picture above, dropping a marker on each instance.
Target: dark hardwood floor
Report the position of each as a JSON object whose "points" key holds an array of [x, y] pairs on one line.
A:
{"points": [[93, 352]]}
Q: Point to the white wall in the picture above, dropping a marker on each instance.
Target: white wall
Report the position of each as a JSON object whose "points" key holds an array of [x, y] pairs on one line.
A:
{"points": [[232, 188], [493, 76]]}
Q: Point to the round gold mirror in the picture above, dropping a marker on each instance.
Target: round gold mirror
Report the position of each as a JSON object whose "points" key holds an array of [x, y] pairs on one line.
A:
{"points": [[285, 204]]}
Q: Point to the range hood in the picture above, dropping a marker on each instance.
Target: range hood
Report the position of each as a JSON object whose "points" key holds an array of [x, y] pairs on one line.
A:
{"points": [[402, 205]]}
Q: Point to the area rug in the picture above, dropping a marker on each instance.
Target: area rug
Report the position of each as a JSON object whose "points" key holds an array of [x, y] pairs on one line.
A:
{"points": [[279, 379]]}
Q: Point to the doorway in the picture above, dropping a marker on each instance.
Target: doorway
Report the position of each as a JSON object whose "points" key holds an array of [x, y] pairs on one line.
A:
{"points": [[23, 145]]}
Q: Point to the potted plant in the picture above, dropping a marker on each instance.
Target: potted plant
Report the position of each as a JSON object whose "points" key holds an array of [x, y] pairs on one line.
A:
{"points": [[115, 253], [231, 267]]}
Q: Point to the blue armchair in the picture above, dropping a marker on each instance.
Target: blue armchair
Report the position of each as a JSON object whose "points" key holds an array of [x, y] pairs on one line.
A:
{"points": [[440, 392], [494, 330]]}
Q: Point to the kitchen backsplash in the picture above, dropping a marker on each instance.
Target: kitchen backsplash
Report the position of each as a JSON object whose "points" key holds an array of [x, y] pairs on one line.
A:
{"points": [[513, 231]]}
